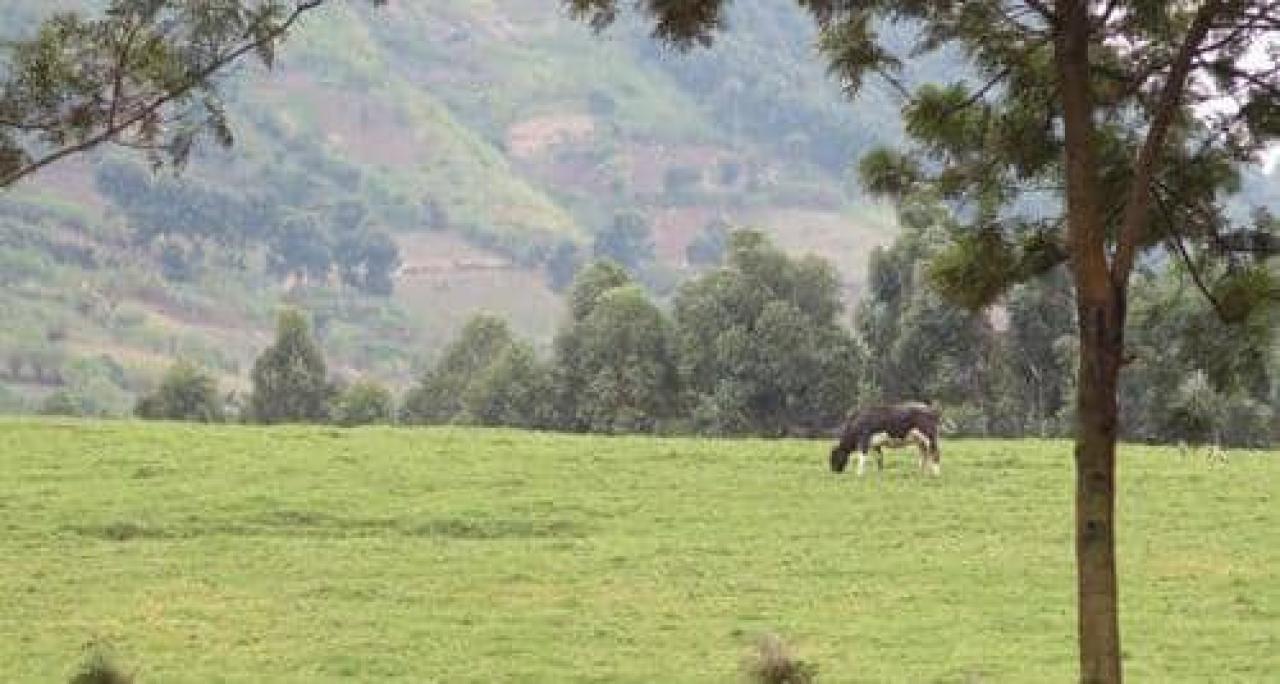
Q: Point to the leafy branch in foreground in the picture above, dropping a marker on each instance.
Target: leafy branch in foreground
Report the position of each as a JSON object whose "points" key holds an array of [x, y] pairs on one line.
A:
{"points": [[141, 76]]}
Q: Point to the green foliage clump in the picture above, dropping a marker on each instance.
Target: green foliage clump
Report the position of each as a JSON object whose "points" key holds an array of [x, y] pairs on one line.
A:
{"points": [[305, 236], [11, 401], [438, 396], [616, 366], [185, 393], [514, 390], [88, 386], [1239, 294], [290, 382], [71, 404], [1190, 381], [975, 270], [888, 173], [1193, 411], [759, 347], [598, 278], [485, 377], [364, 403]]}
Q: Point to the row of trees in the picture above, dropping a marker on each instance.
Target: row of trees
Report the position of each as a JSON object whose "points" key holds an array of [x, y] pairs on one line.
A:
{"points": [[291, 384], [755, 347]]}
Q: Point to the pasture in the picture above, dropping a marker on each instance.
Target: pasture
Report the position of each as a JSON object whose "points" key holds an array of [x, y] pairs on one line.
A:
{"points": [[458, 555]]}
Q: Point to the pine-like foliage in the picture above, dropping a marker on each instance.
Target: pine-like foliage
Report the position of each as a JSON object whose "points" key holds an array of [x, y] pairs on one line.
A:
{"points": [[142, 74], [290, 381]]}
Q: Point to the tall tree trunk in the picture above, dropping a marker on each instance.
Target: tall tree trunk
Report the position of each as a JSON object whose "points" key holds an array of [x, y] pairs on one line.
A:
{"points": [[1101, 312], [1101, 345]]}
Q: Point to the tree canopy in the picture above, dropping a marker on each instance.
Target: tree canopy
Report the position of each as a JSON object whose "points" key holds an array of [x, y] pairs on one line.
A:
{"points": [[290, 378]]}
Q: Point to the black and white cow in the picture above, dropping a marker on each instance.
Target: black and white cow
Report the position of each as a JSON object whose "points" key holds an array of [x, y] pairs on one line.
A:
{"points": [[894, 426]]}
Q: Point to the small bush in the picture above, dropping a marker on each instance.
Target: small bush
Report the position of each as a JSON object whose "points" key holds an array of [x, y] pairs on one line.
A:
{"points": [[364, 403], [71, 404], [185, 393], [773, 663], [98, 668]]}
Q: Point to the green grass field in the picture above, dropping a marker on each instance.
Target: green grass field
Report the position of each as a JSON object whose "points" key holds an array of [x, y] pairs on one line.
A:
{"points": [[454, 555]]}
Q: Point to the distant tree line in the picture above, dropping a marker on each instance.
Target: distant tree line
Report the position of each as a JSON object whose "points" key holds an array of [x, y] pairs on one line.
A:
{"points": [[1010, 370], [185, 222], [755, 346]]}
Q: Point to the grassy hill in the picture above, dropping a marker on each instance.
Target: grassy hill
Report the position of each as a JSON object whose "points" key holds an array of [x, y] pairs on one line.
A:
{"points": [[314, 554], [482, 135]]}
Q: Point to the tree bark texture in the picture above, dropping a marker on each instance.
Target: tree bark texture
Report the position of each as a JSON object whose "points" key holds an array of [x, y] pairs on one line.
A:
{"points": [[1097, 411]]}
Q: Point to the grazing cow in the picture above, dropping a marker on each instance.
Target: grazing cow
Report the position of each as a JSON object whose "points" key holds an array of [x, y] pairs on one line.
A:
{"points": [[893, 426]]}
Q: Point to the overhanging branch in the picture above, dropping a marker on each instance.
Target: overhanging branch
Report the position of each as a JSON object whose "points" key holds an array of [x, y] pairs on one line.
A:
{"points": [[1175, 242], [115, 128], [1140, 192]]}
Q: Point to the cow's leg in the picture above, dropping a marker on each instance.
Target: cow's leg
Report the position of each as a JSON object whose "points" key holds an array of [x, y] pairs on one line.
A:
{"points": [[862, 462], [936, 453], [921, 442], [879, 458]]}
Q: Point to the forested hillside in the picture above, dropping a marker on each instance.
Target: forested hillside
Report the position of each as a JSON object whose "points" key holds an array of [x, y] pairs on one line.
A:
{"points": [[402, 168]]}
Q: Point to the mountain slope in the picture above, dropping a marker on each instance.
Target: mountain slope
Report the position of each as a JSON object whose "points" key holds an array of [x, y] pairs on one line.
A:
{"points": [[484, 137]]}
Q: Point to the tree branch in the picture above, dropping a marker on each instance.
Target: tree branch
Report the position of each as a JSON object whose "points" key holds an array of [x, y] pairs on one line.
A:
{"points": [[978, 94], [114, 129], [1136, 208], [1175, 241], [122, 64], [1043, 10]]}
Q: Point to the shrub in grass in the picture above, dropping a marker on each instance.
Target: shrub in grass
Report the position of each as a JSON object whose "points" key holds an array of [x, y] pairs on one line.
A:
{"points": [[99, 668], [70, 403], [363, 403], [185, 393], [773, 663]]}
